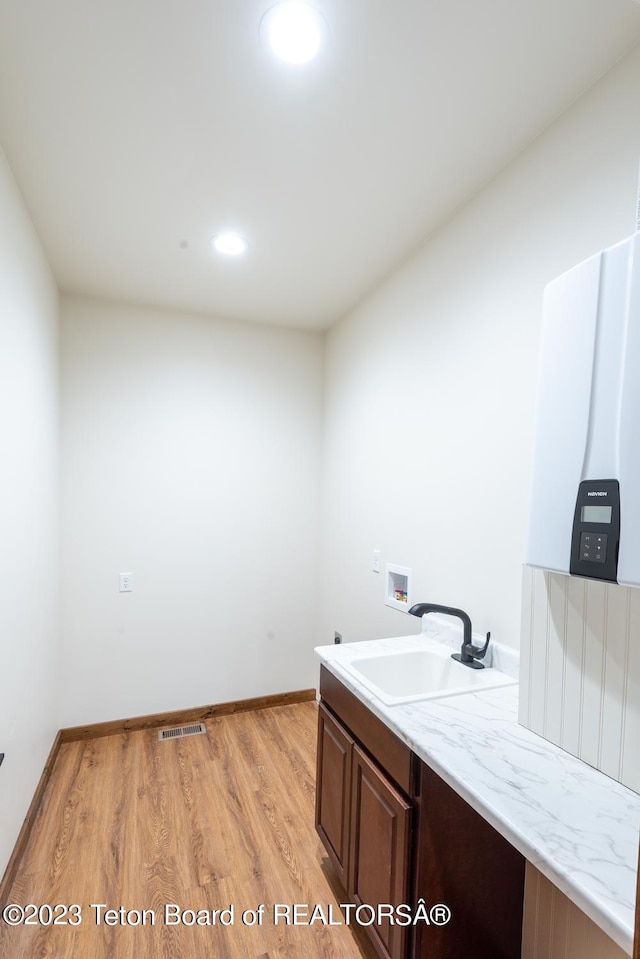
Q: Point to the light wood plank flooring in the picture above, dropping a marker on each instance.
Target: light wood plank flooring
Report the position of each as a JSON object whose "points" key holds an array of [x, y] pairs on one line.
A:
{"points": [[206, 822]]}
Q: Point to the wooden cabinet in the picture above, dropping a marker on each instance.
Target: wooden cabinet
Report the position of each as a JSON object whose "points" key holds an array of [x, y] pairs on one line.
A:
{"points": [[364, 819], [462, 861], [379, 850], [333, 790], [397, 833]]}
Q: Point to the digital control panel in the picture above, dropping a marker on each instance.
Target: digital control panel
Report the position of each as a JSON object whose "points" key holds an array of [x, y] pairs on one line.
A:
{"points": [[596, 530], [593, 547]]}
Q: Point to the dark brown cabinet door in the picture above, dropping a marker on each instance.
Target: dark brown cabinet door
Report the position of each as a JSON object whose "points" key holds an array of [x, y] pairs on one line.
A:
{"points": [[379, 850], [333, 789]]}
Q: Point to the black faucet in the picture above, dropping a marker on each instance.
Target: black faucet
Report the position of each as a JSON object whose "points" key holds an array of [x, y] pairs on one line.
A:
{"points": [[469, 654]]}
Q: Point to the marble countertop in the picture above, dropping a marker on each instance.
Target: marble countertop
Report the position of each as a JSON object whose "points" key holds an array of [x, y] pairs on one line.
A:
{"points": [[574, 824]]}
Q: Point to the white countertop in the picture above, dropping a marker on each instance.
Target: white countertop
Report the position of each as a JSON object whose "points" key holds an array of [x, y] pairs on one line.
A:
{"points": [[577, 826]]}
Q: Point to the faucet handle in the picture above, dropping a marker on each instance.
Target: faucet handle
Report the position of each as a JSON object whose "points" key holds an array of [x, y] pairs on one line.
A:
{"points": [[478, 652]]}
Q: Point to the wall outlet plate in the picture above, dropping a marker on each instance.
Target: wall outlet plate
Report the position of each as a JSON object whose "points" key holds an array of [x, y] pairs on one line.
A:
{"points": [[126, 582]]}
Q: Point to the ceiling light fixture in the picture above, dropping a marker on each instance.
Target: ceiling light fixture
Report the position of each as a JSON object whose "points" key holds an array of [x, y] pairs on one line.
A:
{"points": [[294, 30], [229, 244]]}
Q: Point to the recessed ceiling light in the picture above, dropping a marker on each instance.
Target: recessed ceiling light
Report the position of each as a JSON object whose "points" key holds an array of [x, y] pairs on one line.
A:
{"points": [[229, 244], [294, 31]]}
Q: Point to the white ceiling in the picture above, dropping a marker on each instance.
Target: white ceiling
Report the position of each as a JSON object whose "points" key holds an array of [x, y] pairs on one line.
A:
{"points": [[134, 126]]}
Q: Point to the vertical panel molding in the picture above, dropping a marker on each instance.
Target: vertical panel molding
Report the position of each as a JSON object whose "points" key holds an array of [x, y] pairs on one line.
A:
{"points": [[580, 669], [554, 928]]}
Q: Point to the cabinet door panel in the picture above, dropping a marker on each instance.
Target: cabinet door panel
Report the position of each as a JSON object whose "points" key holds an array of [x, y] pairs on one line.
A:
{"points": [[333, 789], [379, 850]]}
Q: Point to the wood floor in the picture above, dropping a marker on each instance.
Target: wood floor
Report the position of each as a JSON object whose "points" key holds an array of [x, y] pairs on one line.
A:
{"points": [[213, 822]]}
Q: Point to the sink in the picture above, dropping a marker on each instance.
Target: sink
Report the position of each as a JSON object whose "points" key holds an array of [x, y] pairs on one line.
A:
{"points": [[404, 676]]}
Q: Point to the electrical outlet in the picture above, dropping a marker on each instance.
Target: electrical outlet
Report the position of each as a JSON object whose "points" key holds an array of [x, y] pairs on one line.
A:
{"points": [[376, 561], [126, 582], [337, 637]]}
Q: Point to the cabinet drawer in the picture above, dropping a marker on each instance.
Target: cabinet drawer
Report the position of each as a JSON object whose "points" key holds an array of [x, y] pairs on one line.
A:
{"points": [[391, 753]]}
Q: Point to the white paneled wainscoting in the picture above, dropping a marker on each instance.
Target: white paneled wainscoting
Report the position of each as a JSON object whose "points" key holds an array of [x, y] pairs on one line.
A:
{"points": [[554, 928], [580, 669]]}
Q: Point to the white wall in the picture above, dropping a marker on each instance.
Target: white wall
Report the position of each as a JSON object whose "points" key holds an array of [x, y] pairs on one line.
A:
{"points": [[29, 632], [190, 451], [430, 382]]}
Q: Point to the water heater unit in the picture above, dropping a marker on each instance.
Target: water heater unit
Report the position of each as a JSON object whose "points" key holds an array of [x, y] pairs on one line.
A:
{"points": [[585, 496]]}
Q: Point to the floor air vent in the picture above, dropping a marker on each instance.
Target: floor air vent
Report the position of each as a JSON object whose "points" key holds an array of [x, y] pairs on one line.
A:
{"points": [[178, 732]]}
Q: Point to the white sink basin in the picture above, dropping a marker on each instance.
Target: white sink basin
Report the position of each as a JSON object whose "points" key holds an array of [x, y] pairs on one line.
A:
{"points": [[408, 675]]}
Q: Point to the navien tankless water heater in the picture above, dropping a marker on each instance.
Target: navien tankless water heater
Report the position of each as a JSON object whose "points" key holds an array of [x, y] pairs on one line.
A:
{"points": [[585, 495]]}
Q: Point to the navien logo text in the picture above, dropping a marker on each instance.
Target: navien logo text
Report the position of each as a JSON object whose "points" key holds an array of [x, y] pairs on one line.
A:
{"points": [[599, 493]]}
